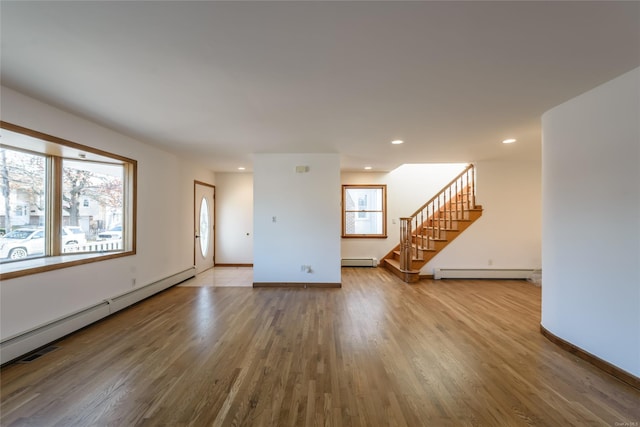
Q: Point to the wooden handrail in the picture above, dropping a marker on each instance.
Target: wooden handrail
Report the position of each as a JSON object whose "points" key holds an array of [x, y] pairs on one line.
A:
{"points": [[443, 189]]}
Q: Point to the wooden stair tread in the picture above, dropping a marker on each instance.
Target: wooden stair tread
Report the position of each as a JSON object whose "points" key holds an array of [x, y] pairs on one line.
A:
{"points": [[441, 229], [396, 264], [397, 252], [433, 239], [475, 208]]}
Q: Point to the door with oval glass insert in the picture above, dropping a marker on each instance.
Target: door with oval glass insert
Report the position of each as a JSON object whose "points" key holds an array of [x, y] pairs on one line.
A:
{"points": [[204, 226]]}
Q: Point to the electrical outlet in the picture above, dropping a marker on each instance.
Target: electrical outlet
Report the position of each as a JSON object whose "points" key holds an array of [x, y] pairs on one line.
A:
{"points": [[490, 262]]}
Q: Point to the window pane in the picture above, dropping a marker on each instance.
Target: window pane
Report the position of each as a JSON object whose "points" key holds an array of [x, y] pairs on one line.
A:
{"points": [[22, 204], [92, 207], [364, 199], [204, 227], [363, 222]]}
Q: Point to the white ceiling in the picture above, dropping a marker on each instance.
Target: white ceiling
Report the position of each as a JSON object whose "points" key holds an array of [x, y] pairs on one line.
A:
{"points": [[218, 81]]}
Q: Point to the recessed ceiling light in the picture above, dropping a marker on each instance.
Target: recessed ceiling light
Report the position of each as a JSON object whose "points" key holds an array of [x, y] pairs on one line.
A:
{"points": [[397, 142], [509, 141], [368, 168], [241, 168]]}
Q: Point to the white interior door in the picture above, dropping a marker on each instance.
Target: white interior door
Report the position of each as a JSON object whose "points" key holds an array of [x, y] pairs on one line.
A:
{"points": [[204, 226]]}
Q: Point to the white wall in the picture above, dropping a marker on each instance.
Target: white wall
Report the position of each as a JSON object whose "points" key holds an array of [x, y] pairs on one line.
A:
{"points": [[164, 223], [306, 208], [591, 222], [234, 218]]}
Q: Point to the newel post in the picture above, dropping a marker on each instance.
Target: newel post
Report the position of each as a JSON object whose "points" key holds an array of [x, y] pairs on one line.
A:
{"points": [[405, 244]]}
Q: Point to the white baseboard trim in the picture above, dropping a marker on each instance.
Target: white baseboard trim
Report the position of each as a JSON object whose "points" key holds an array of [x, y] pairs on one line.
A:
{"points": [[482, 273], [18, 345]]}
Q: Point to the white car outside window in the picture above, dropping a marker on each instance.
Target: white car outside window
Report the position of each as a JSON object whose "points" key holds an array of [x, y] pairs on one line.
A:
{"points": [[22, 243], [114, 233], [73, 236], [28, 242]]}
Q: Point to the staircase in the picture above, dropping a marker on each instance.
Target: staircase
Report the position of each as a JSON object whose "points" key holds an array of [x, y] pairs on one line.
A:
{"points": [[432, 227]]}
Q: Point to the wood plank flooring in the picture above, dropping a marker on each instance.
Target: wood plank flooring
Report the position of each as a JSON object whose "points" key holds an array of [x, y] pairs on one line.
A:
{"points": [[377, 352]]}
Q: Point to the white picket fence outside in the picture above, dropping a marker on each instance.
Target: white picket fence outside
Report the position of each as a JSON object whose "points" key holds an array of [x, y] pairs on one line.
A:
{"points": [[101, 246]]}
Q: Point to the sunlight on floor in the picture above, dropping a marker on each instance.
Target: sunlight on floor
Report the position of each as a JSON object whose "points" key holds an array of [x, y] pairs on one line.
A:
{"points": [[223, 277]]}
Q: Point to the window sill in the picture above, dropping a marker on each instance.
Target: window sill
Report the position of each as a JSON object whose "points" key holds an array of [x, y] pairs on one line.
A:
{"points": [[364, 236], [11, 270]]}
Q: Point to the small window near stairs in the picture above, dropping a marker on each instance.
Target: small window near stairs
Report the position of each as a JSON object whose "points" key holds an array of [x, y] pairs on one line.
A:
{"points": [[364, 211]]}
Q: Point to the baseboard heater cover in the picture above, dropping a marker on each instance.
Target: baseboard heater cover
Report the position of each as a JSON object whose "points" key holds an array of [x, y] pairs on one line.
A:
{"points": [[18, 345], [482, 273], [126, 299], [359, 262]]}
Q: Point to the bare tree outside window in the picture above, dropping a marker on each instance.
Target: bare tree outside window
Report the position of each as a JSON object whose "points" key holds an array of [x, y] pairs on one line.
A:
{"points": [[23, 189], [84, 181]]}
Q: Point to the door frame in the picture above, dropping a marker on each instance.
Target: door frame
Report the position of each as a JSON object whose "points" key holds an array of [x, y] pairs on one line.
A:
{"points": [[213, 214]]}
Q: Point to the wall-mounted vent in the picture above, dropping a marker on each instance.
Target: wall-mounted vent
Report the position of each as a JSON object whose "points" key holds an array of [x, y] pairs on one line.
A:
{"points": [[359, 262], [36, 355]]}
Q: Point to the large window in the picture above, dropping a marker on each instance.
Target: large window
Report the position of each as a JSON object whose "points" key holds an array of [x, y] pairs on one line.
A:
{"points": [[364, 211], [61, 203]]}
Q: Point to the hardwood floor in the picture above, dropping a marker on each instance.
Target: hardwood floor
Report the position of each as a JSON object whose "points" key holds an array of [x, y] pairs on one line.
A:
{"points": [[377, 352]]}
